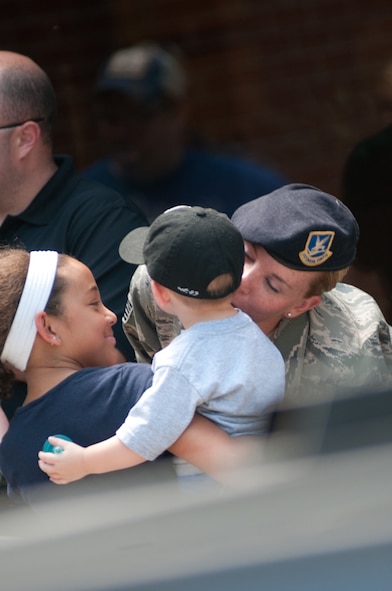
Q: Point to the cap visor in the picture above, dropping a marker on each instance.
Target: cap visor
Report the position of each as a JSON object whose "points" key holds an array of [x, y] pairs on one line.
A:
{"points": [[131, 246]]}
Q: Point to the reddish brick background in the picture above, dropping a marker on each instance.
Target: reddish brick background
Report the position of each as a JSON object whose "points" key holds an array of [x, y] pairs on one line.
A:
{"points": [[288, 82]]}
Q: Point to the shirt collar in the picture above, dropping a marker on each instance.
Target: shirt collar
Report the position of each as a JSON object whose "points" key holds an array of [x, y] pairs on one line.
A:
{"points": [[49, 199]]}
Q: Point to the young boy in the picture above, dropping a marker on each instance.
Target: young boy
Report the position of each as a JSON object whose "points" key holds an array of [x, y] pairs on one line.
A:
{"points": [[221, 365]]}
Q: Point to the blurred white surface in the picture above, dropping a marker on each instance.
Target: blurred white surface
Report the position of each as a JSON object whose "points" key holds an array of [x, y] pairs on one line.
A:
{"points": [[330, 513]]}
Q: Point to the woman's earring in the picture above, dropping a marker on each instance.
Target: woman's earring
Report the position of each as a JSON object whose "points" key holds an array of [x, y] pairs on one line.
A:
{"points": [[288, 314]]}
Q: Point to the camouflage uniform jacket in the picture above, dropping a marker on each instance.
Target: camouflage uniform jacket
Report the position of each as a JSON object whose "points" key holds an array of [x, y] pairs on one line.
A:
{"points": [[342, 344]]}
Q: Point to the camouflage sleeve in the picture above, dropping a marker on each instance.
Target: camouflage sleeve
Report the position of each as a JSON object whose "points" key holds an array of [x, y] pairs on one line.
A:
{"points": [[146, 326], [342, 345]]}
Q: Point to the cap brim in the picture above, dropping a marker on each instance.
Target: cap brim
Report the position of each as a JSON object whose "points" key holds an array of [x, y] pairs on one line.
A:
{"points": [[131, 246], [124, 86]]}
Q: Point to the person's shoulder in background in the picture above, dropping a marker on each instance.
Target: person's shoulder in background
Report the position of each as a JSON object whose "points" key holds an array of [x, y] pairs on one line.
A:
{"points": [[230, 180]]}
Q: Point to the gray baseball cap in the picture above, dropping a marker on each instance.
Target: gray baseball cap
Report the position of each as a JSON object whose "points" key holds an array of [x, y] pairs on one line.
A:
{"points": [[145, 72]]}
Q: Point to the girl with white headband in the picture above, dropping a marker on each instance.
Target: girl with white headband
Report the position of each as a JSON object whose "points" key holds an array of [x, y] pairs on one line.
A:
{"points": [[55, 328], [38, 285]]}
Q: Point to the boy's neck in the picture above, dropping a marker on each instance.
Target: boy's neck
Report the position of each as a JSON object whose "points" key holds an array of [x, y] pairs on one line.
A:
{"points": [[206, 313]]}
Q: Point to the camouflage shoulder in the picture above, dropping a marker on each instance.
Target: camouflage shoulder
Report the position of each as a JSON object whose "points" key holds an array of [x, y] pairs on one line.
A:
{"points": [[147, 327]]}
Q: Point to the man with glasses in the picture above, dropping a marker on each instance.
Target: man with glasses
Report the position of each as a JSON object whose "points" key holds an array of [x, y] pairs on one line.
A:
{"points": [[44, 203]]}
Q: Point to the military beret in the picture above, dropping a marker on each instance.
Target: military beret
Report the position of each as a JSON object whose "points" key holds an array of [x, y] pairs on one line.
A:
{"points": [[301, 227]]}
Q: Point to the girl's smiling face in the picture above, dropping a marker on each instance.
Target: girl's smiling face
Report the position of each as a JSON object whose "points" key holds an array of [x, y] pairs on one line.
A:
{"points": [[85, 326]]}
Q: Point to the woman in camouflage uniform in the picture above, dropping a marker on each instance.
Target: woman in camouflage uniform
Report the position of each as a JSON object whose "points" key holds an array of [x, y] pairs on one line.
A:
{"points": [[299, 243]]}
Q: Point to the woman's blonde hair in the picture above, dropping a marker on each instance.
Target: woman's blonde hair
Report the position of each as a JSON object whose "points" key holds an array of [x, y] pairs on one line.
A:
{"points": [[323, 281]]}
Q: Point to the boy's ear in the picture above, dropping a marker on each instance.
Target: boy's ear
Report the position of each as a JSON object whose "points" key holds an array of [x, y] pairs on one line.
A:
{"points": [[160, 293]]}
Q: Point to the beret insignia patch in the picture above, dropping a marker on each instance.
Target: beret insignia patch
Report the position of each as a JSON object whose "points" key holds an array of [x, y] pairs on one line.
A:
{"points": [[317, 248]]}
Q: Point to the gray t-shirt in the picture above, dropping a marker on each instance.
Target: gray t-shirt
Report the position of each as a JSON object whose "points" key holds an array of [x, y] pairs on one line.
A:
{"points": [[227, 370]]}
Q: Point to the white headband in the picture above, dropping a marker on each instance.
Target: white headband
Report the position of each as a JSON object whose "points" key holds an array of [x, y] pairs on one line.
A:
{"points": [[36, 291]]}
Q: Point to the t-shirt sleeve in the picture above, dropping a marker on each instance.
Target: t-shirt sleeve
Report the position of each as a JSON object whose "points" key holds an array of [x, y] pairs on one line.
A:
{"points": [[161, 415]]}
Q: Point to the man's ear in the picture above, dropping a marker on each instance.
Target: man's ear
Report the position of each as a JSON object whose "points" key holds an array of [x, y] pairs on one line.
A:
{"points": [[45, 330], [307, 304], [27, 137]]}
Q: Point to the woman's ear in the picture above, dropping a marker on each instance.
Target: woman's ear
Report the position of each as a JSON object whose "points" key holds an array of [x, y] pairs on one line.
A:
{"points": [[307, 304], [45, 330]]}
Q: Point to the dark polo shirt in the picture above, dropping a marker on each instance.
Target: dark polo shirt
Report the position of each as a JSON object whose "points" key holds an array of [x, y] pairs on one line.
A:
{"points": [[86, 220]]}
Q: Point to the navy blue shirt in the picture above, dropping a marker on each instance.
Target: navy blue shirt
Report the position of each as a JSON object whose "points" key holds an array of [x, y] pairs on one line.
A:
{"points": [[203, 178], [88, 407]]}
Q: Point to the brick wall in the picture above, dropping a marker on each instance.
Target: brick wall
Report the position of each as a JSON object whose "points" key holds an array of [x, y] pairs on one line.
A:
{"points": [[288, 82]]}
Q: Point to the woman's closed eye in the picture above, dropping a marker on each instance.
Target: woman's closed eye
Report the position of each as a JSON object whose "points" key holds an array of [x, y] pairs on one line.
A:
{"points": [[271, 285]]}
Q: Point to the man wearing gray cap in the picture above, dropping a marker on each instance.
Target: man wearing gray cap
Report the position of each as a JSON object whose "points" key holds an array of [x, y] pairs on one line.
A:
{"points": [[299, 243], [141, 112]]}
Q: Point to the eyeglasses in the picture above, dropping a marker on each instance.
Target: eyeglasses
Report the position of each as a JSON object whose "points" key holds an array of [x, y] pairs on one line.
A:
{"points": [[11, 125]]}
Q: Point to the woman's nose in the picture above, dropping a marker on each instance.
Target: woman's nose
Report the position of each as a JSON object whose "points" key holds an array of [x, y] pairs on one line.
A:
{"points": [[244, 285]]}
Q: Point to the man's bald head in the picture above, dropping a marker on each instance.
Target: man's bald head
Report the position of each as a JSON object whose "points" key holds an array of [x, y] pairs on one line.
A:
{"points": [[12, 59], [26, 93]]}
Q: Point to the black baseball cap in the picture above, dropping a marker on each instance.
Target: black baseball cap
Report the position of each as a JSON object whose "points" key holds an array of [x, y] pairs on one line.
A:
{"points": [[301, 227], [185, 248]]}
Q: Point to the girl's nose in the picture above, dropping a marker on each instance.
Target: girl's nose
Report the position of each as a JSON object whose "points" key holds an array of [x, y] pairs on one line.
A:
{"points": [[112, 318]]}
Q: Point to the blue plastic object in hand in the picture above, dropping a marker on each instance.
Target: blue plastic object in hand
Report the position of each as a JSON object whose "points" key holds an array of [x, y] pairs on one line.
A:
{"points": [[54, 449]]}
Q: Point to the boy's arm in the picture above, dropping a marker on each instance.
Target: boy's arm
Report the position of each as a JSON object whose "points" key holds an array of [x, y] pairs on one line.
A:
{"points": [[202, 444], [75, 461]]}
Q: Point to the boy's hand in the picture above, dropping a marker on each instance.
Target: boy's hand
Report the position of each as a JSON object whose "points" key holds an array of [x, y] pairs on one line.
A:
{"points": [[66, 466]]}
